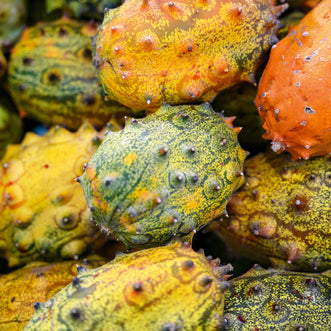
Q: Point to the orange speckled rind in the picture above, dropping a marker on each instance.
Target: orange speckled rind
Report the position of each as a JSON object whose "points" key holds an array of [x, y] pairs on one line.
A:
{"points": [[43, 213], [150, 52], [294, 98], [164, 288], [36, 282], [166, 175], [282, 213]]}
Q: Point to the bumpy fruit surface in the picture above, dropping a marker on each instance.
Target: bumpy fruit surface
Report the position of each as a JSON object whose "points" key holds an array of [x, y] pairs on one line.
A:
{"points": [[83, 8], [10, 124], [150, 52], [239, 102], [283, 212], [278, 300], [24, 288], [12, 18], [52, 79], [165, 175], [294, 98], [43, 213], [165, 288]]}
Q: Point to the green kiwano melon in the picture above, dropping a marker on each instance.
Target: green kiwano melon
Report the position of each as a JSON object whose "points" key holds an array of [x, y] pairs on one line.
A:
{"points": [[282, 214], [10, 124], [37, 281], [165, 175], [278, 300], [43, 214], [83, 8], [52, 79], [164, 288]]}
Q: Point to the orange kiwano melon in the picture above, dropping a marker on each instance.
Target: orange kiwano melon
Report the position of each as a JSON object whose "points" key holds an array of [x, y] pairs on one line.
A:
{"points": [[294, 98]]}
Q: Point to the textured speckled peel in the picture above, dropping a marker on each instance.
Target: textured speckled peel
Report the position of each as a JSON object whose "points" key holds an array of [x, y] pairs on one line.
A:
{"points": [[150, 52], [278, 300], [43, 213], [164, 288], [294, 98], [23, 288], [52, 79], [165, 175], [282, 214]]}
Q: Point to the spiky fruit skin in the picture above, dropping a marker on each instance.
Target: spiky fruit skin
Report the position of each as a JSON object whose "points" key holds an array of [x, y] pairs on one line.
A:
{"points": [[52, 79], [12, 19], [278, 300], [83, 8], [239, 102], [294, 97], [165, 175], [147, 290], [150, 52], [10, 124], [283, 213], [34, 283], [43, 213]]}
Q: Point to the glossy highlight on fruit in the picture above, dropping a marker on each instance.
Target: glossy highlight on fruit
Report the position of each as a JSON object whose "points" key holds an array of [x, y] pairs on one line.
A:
{"points": [[278, 300], [52, 79], [164, 288], [282, 214], [294, 98], [150, 52], [166, 175], [24, 288], [43, 213]]}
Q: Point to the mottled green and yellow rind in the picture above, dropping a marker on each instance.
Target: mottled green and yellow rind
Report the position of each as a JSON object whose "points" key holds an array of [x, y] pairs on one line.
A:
{"points": [[278, 300], [164, 288], [282, 214], [52, 79], [163, 176]]}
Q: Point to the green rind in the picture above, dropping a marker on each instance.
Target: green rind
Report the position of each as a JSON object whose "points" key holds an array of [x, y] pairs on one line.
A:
{"points": [[145, 195], [52, 79]]}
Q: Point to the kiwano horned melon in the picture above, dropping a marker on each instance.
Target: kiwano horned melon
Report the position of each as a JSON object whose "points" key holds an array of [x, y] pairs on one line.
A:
{"points": [[43, 213], [294, 98], [165, 288], [52, 79], [262, 300], [10, 124], [165, 175], [36, 282], [83, 8], [283, 213], [150, 52]]}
